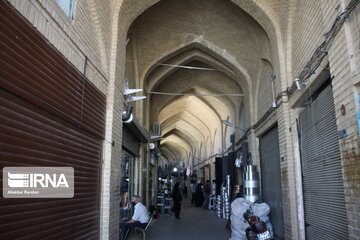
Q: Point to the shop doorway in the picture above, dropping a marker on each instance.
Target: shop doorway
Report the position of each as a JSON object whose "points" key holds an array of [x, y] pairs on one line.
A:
{"points": [[126, 184]]}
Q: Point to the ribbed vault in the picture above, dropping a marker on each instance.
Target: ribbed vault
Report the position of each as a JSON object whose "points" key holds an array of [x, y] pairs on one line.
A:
{"points": [[190, 59]]}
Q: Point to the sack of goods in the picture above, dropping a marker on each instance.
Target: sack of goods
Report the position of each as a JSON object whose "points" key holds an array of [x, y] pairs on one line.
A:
{"points": [[239, 225]]}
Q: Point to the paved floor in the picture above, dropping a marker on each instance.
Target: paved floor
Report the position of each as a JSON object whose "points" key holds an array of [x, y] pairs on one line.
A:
{"points": [[195, 224]]}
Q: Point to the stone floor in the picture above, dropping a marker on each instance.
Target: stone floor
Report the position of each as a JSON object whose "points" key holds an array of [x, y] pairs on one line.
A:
{"points": [[195, 223]]}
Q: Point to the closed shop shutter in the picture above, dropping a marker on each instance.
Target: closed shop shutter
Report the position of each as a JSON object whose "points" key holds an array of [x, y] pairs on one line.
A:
{"points": [[130, 142], [33, 70], [133, 135], [323, 189], [50, 115], [32, 137], [271, 179]]}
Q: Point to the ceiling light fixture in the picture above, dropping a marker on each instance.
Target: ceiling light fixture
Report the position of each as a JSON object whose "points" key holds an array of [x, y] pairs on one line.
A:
{"points": [[127, 115], [298, 83]]}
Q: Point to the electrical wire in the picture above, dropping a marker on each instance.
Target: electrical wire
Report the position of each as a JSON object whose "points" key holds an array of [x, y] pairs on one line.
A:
{"points": [[322, 51], [187, 67], [199, 94], [215, 155]]}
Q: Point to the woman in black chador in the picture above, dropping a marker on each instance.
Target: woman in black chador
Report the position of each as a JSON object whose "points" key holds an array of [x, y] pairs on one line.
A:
{"points": [[177, 198], [199, 196]]}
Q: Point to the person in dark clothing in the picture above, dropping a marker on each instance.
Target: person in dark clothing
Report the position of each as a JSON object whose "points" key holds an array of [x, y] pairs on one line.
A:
{"points": [[199, 197], [206, 193], [185, 190], [177, 198], [193, 191]]}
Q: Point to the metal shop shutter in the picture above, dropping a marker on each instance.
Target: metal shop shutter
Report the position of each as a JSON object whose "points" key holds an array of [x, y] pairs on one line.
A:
{"points": [[271, 179], [35, 71], [130, 142], [29, 136], [50, 115], [324, 200], [133, 135]]}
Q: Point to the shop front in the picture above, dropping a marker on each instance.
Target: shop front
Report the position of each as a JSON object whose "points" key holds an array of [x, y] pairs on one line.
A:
{"points": [[132, 163], [127, 183]]}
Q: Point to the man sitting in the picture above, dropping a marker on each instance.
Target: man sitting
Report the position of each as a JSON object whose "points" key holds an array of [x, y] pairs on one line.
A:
{"points": [[139, 219]]}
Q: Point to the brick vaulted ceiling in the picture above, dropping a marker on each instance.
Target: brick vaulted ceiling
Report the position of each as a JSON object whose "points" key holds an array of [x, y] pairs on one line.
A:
{"points": [[201, 51]]}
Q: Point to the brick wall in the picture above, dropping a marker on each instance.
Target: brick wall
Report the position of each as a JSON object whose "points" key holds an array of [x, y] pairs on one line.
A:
{"points": [[263, 91], [344, 66], [75, 38]]}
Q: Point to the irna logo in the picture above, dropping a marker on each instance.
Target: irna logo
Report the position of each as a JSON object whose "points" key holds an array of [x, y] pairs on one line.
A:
{"points": [[38, 182], [34, 180]]}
